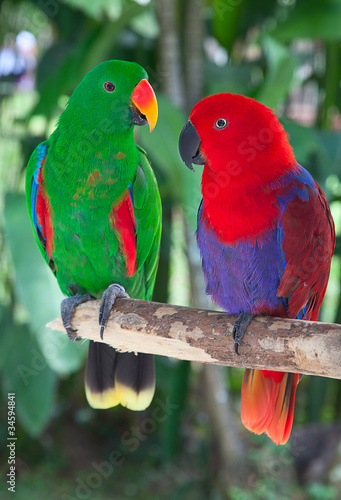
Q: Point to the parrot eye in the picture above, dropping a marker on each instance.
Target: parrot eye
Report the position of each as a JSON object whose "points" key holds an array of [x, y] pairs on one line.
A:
{"points": [[109, 86], [221, 123]]}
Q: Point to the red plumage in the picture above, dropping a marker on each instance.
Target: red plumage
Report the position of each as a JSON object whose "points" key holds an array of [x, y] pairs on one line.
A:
{"points": [[44, 214], [122, 220], [267, 403], [256, 153], [308, 246]]}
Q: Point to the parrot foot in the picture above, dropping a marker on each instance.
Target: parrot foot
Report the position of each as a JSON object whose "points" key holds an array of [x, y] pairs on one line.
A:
{"points": [[108, 300], [67, 308], [239, 328]]}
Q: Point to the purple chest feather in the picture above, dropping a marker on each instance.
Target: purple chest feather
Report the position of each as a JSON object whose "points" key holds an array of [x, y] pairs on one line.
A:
{"points": [[242, 277]]}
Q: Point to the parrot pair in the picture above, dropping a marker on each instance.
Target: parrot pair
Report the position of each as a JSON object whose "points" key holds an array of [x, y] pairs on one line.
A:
{"points": [[265, 232]]}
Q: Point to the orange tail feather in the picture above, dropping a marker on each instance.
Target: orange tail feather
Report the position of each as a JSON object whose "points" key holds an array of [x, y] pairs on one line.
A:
{"points": [[268, 400]]}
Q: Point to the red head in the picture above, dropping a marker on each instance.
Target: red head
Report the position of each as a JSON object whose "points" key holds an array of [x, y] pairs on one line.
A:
{"points": [[237, 134], [244, 149]]}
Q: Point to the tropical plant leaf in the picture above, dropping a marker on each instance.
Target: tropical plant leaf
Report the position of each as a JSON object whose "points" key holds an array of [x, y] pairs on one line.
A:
{"points": [[280, 72], [37, 290], [26, 373], [65, 72], [145, 24], [311, 19], [111, 8]]}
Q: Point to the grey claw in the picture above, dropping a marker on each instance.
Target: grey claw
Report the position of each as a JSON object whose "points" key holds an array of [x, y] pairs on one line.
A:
{"points": [[108, 300], [67, 308], [240, 327], [71, 333]]}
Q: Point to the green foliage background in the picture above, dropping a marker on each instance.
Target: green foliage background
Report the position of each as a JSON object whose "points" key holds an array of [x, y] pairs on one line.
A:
{"points": [[246, 47]]}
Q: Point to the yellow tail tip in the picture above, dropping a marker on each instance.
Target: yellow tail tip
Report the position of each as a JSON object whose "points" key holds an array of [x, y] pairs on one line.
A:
{"points": [[120, 395], [132, 400], [102, 400]]}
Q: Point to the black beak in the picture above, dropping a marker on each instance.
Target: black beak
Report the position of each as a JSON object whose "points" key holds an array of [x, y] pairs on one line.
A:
{"points": [[137, 118], [189, 146]]}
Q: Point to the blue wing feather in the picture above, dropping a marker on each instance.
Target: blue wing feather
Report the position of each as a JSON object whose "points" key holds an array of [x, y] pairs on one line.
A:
{"points": [[35, 186]]}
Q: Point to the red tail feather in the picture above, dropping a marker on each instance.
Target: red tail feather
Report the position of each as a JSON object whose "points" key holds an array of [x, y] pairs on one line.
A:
{"points": [[268, 400]]}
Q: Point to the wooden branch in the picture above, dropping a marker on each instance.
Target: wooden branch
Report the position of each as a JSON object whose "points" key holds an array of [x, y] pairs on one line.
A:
{"points": [[270, 343]]}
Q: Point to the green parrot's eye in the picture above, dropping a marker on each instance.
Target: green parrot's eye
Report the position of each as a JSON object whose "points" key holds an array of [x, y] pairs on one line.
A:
{"points": [[109, 86], [221, 123]]}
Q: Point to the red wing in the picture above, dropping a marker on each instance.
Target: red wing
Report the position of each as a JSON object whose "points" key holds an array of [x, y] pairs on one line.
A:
{"points": [[39, 205], [122, 220], [308, 244]]}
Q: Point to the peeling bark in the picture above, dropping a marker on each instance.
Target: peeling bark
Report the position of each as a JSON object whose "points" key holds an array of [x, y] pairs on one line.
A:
{"points": [[307, 347]]}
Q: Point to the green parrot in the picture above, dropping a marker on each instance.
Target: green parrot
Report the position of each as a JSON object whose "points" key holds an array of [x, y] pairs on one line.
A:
{"points": [[95, 210]]}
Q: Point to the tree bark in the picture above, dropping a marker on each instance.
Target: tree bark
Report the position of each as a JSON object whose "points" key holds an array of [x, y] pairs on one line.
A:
{"points": [[193, 48], [307, 347], [173, 83]]}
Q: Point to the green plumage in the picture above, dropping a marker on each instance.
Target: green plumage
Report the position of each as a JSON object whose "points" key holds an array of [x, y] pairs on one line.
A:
{"points": [[93, 166]]}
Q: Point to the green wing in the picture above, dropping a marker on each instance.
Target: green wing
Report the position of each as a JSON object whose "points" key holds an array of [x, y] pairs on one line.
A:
{"points": [[148, 218]]}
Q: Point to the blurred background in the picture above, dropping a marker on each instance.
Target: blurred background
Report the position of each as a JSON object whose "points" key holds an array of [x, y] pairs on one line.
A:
{"points": [[190, 443]]}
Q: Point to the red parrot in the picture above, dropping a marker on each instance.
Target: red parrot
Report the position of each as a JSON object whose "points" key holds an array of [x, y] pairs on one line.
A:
{"points": [[265, 234]]}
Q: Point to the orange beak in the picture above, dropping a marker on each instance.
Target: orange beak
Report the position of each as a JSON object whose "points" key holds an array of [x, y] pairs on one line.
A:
{"points": [[144, 101]]}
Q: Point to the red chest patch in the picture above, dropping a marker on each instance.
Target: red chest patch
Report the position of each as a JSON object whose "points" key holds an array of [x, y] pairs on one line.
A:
{"points": [[236, 218]]}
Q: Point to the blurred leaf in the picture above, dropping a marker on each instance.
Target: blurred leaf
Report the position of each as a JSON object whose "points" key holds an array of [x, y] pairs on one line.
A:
{"points": [[178, 383], [318, 491], [5, 340], [110, 8], [331, 143], [312, 19], [59, 72], [233, 20], [26, 373], [279, 74], [304, 140], [36, 288], [146, 24], [161, 288], [230, 78], [65, 64], [104, 43], [316, 390], [226, 21], [162, 149], [317, 151]]}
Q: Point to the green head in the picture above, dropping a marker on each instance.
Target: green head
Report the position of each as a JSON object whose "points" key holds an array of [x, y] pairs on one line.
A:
{"points": [[114, 96]]}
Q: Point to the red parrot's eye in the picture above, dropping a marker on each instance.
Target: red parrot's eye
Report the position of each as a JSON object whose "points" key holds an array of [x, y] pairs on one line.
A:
{"points": [[221, 123], [109, 86]]}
